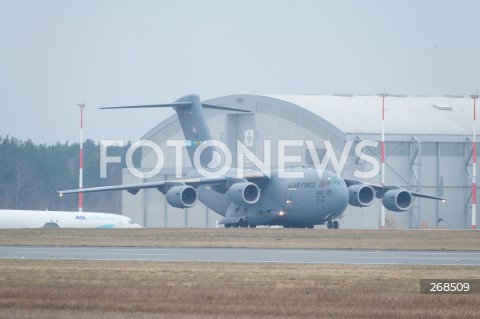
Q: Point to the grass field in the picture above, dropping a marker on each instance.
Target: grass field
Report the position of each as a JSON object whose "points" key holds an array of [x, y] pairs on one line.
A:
{"points": [[114, 289], [82, 289], [251, 238]]}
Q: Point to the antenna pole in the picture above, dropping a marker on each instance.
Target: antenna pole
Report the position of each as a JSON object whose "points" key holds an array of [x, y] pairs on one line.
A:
{"points": [[382, 167], [474, 163], [80, 177]]}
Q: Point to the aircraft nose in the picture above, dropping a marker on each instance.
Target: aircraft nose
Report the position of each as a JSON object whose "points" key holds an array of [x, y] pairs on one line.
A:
{"points": [[340, 200]]}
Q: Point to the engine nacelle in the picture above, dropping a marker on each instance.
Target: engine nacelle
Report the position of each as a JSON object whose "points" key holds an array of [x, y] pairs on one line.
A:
{"points": [[182, 196], [397, 200], [361, 195], [244, 193]]}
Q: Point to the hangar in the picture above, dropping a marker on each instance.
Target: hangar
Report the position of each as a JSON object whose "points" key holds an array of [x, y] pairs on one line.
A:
{"points": [[428, 149]]}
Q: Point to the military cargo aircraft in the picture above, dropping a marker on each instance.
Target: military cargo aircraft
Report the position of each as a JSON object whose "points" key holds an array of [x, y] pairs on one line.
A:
{"points": [[255, 198]]}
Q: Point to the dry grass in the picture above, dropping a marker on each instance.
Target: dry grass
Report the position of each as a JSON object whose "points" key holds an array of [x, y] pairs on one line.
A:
{"points": [[83, 289], [251, 238], [108, 289]]}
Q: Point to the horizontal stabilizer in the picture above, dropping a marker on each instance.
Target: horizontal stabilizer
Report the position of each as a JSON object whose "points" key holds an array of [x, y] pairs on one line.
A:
{"points": [[175, 105], [218, 107]]}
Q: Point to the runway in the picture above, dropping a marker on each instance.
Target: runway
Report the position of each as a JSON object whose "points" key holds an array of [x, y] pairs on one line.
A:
{"points": [[288, 256]]}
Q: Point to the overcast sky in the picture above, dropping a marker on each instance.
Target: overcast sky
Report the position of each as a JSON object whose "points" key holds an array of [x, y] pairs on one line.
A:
{"points": [[55, 54]]}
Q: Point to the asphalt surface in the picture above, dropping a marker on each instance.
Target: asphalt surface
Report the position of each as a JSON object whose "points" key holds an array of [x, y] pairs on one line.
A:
{"points": [[288, 256]]}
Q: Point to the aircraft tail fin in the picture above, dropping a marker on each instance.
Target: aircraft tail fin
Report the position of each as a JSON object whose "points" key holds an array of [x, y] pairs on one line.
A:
{"points": [[192, 118]]}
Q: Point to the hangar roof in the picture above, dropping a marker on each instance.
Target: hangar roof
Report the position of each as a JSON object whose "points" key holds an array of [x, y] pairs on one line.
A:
{"points": [[345, 116], [403, 114]]}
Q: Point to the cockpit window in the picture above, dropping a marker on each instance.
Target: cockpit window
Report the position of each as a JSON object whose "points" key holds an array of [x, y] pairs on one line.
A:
{"points": [[325, 182], [334, 180]]}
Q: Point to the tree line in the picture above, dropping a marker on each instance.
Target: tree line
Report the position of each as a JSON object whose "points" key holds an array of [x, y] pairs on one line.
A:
{"points": [[30, 174]]}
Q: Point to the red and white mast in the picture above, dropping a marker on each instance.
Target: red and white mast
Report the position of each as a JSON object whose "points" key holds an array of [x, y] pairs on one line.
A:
{"points": [[474, 163], [80, 177], [382, 167]]}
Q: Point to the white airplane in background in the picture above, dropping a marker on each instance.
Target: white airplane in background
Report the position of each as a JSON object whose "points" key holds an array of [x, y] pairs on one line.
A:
{"points": [[60, 219]]}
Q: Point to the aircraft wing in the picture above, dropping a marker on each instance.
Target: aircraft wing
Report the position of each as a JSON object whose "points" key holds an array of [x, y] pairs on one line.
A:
{"points": [[163, 186], [134, 188], [380, 190], [428, 196]]}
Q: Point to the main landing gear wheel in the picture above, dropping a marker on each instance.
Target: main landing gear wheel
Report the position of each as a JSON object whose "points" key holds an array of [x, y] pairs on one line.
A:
{"points": [[333, 224], [243, 222]]}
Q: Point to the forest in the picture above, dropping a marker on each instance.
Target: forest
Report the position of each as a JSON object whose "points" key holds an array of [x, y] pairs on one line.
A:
{"points": [[30, 174]]}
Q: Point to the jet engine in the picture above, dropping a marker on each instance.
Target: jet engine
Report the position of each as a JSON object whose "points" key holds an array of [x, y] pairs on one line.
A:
{"points": [[182, 196], [397, 200], [244, 193], [361, 195]]}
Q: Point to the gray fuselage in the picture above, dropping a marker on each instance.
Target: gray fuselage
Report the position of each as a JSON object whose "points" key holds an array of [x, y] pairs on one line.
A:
{"points": [[291, 202]]}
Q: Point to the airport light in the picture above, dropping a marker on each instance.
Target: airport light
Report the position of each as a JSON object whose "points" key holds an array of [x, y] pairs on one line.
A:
{"points": [[382, 160], [474, 163], [80, 177]]}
